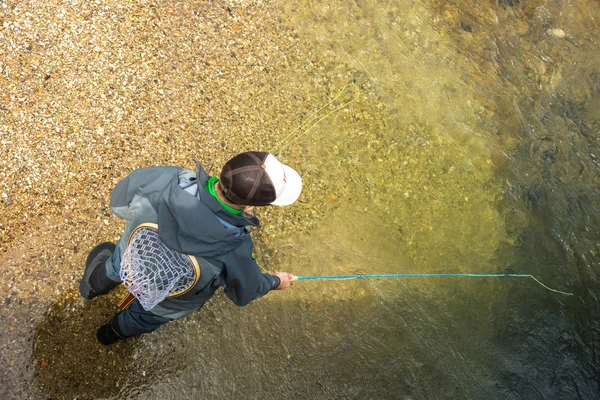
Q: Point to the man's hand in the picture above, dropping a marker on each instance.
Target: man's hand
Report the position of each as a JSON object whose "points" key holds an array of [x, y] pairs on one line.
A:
{"points": [[286, 280]]}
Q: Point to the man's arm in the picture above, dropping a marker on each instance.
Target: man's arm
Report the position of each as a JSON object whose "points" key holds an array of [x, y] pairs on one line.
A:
{"points": [[245, 281]]}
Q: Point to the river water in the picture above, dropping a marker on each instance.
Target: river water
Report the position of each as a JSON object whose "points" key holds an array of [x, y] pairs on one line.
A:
{"points": [[470, 145]]}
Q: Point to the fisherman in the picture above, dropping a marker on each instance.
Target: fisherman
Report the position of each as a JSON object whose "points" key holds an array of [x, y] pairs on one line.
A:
{"points": [[198, 215]]}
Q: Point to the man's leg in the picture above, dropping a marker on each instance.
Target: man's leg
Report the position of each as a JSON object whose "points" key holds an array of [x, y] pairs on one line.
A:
{"points": [[134, 320]]}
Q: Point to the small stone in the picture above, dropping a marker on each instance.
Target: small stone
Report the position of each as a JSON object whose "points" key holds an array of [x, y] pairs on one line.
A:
{"points": [[558, 33]]}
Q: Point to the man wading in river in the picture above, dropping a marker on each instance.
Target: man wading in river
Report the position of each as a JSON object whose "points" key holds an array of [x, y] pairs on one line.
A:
{"points": [[199, 216]]}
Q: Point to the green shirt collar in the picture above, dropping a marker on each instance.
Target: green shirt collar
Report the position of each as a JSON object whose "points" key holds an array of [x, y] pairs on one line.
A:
{"points": [[210, 188]]}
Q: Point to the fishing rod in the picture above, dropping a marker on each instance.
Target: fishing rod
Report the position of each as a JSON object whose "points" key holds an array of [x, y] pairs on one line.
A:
{"points": [[375, 276]]}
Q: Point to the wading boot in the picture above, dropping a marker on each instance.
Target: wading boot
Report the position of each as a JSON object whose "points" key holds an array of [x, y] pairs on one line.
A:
{"points": [[94, 281], [110, 333]]}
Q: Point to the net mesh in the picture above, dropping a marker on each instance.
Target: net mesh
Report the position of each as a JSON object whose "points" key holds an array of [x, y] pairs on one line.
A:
{"points": [[151, 271]]}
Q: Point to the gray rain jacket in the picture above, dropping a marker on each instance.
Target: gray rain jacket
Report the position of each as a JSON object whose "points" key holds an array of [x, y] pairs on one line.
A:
{"points": [[195, 225]]}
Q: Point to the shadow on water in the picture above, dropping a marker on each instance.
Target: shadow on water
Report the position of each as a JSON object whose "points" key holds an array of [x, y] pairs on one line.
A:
{"points": [[546, 147], [546, 346], [69, 362]]}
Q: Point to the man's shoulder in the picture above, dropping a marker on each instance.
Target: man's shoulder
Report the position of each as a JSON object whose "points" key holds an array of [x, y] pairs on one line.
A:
{"points": [[152, 176], [156, 170]]}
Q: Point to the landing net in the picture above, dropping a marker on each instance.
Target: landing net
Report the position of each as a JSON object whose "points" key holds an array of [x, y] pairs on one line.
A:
{"points": [[151, 271]]}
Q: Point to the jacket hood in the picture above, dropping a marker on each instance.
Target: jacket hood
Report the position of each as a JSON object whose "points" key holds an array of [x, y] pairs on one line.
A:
{"points": [[191, 224]]}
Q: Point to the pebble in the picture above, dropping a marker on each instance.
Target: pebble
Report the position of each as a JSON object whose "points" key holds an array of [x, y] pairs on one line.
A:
{"points": [[558, 33]]}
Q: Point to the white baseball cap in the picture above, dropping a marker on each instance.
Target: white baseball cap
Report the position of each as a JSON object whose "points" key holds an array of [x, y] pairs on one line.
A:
{"points": [[257, 179]]}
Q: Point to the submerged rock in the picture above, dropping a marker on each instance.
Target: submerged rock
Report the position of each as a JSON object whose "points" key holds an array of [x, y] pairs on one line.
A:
{"points": [[557, 33]]}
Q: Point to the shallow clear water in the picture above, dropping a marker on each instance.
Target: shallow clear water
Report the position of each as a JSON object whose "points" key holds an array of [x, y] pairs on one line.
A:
{"points": [[472, 147]]}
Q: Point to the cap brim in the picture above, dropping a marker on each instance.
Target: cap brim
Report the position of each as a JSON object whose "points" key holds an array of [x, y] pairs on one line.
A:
{"points": [[292, 188]]}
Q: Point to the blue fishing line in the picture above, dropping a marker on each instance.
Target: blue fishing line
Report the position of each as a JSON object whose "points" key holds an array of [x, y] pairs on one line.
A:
{"points": [[370, 276]]}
